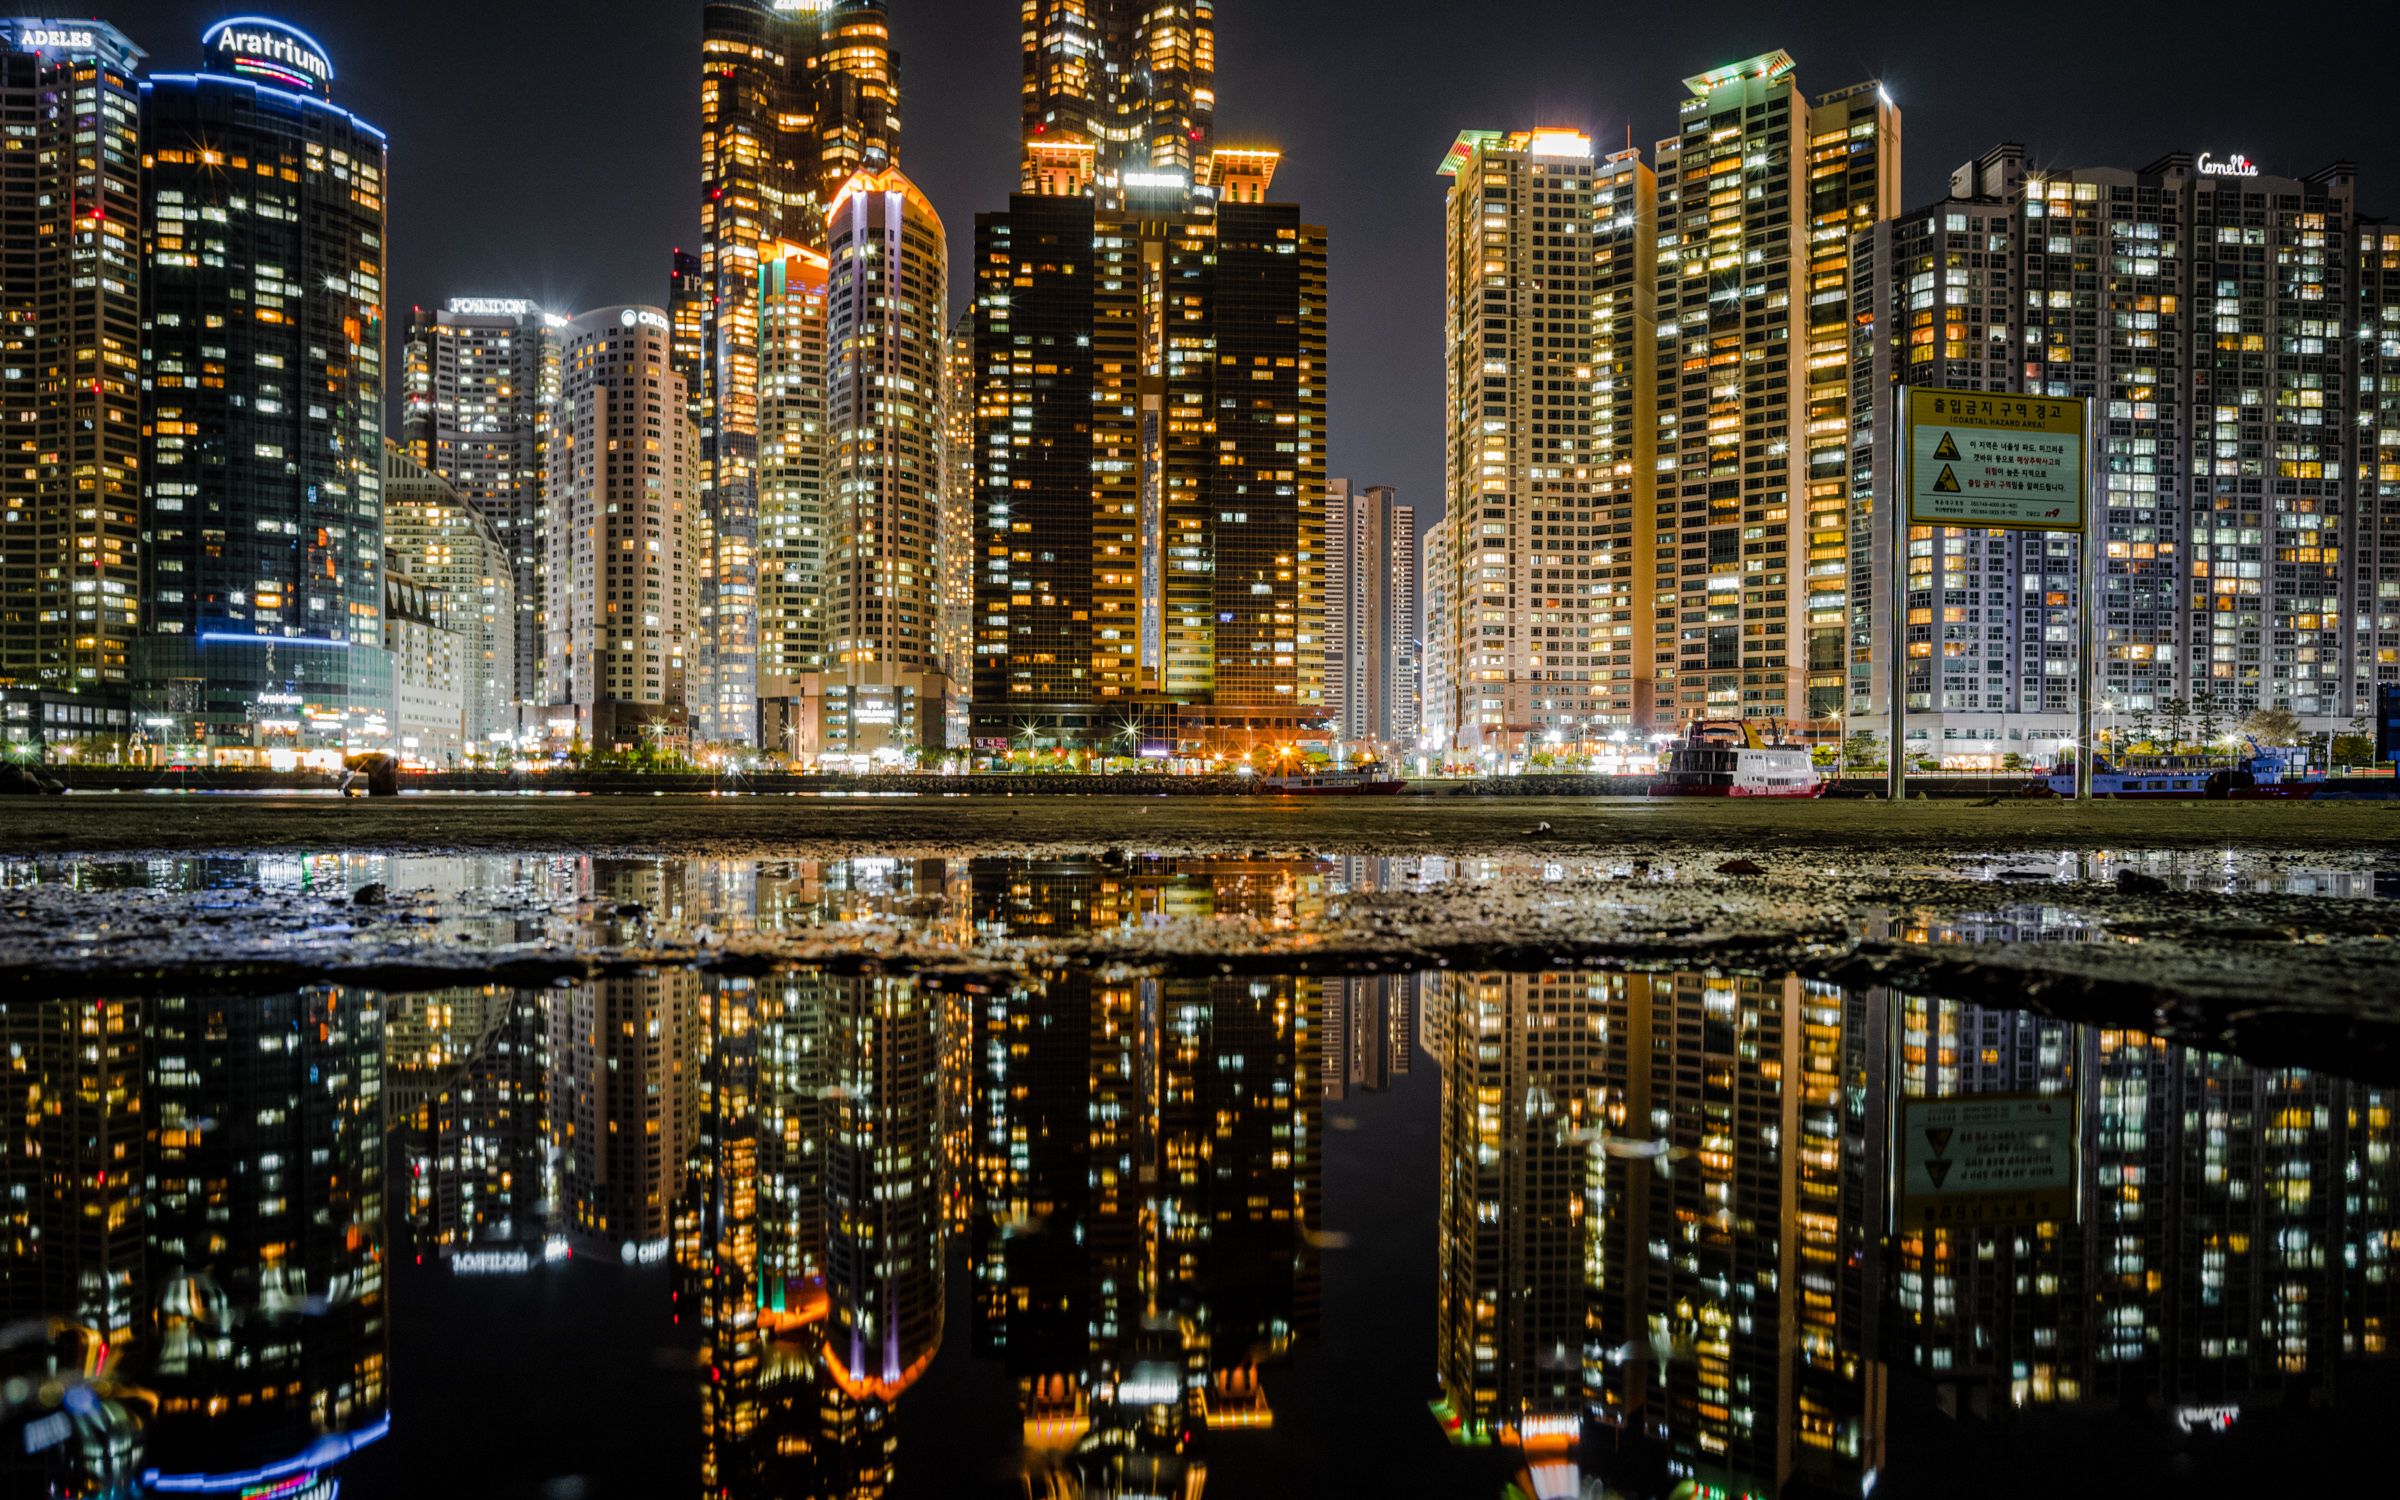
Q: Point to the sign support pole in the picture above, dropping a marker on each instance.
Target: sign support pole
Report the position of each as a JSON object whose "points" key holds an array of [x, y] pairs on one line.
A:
{"points": [[2088, 611], [1896, 687]]}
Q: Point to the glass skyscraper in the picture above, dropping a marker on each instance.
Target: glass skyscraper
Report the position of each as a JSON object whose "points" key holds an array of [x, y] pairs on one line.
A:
{"points": [[262, 330]]}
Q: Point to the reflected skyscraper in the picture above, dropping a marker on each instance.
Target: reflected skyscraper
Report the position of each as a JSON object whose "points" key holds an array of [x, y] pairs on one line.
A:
{"points": [[624, 1101], [1729, 1209], [74, 1159], [1656, 1212], [812, 1239], [470, 1097], [1521, 1084], [1369, 1032], [2232, 1245], [883, 1203], [267, 1260], [1147, 1163]]}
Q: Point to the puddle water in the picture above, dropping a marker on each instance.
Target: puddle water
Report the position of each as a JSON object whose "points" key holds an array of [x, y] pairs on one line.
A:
{"points": [[1127, 1230], [265, 904]]}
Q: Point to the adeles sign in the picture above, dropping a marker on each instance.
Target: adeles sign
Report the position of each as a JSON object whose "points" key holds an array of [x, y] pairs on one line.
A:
{"points": [[269, 52], [56, 39]]}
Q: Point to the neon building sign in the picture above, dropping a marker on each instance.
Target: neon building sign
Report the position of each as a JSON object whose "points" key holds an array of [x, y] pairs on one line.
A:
{"points": [[270, 52], [57, 39]]}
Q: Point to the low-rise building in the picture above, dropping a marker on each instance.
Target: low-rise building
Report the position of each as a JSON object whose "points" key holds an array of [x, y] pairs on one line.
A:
{"points": [[429, 669]]}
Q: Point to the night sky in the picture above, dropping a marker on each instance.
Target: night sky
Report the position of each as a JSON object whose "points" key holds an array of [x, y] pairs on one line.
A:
{"points": [[549, 149]]}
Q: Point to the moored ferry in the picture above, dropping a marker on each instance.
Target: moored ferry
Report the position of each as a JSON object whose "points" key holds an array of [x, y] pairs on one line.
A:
{"points": [[1729, 758]]}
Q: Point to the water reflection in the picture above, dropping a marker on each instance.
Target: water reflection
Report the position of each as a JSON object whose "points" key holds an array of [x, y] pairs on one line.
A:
{"points": [[195, 1215], [284, 905], [1064, 1233]]}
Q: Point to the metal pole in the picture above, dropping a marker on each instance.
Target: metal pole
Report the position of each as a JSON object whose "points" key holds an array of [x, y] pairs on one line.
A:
{"points": [[1896, 501], [2089, 610]]}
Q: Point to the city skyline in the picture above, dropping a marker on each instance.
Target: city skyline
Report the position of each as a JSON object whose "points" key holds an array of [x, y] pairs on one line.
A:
{"points": [[1359, 171], [1087, 519]]}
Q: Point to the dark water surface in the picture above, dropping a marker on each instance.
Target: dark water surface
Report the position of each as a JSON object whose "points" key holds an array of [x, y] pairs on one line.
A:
{"points": [[1148, 1226]]}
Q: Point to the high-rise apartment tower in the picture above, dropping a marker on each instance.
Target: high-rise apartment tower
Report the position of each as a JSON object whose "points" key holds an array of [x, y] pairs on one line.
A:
{"points": [[1759, 191], [795, 98], [1551, 256], [70, 341]]}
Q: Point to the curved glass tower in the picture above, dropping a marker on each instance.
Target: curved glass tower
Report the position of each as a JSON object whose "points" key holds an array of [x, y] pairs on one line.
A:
{"points": [[262, 462]]}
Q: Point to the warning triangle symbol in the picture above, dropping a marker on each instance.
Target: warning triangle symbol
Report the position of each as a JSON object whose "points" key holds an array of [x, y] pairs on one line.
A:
{"points": [[1947, 484], [1948, 448], [1939, 1140], [1939, 1171]]}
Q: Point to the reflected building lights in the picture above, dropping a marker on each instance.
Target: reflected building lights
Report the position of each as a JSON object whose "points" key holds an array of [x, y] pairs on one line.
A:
{"points": [[1658, 1216]]}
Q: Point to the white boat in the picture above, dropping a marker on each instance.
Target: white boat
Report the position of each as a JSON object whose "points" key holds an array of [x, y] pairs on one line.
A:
{"points": [[1729, 758], [1364, 781]]}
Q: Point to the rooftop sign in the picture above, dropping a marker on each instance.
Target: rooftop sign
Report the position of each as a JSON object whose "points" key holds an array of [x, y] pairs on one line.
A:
{"points": [[490, 307], [269, 52], [52, 36], [68, 38], [2236, 165], [1464, 148]]}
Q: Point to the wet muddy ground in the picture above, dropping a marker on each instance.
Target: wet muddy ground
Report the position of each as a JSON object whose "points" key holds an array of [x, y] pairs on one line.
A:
{"points": [[728, 826], [2265, 929]]}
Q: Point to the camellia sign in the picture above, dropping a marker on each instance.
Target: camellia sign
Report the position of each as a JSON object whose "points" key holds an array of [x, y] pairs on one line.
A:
{"points": [[2236, 165], [270, 52]]}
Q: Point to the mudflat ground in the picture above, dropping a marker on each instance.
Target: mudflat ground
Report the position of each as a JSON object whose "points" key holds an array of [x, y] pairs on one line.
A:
{"points": [[2267, 929], [1847, 831]]}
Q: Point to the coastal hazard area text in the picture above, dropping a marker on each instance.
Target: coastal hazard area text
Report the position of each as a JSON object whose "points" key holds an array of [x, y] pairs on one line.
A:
{"points": [[1983, 1160], [1979, 459]]}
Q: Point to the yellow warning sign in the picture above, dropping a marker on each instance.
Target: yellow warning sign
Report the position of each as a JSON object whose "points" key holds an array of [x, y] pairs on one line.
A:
{"points": [[1981, 459], [1977, 1161]]}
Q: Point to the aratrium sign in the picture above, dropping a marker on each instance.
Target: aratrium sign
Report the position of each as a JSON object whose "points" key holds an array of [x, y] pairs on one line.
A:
{"points": [[270, 52], [2236, 165]]}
